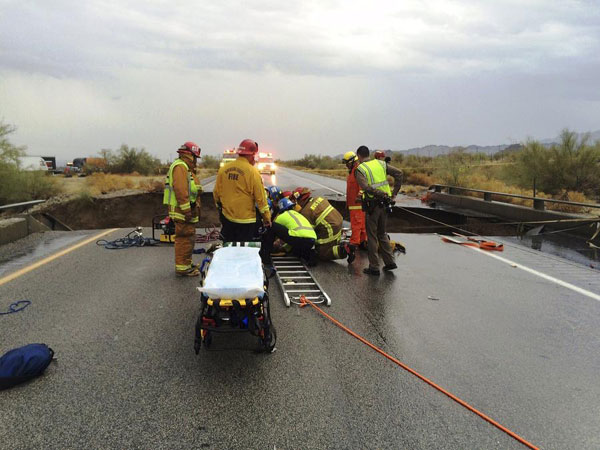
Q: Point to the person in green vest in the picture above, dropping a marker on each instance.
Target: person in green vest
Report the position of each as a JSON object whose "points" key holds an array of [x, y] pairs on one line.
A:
{"points": [[181, 195], [292, 228], [371, 176]]}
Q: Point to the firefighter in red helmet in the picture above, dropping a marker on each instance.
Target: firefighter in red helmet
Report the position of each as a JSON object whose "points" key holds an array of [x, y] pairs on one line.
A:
{"points": [[182, 195], [239, 191]]}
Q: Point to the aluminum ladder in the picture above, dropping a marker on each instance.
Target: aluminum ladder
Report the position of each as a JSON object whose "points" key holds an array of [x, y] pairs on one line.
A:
{"points": [[295, 280]]}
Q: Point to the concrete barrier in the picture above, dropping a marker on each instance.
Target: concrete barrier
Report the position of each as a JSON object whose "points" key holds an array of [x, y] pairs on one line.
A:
{"points": [[13, 229], [506, 211], [19, 227]]}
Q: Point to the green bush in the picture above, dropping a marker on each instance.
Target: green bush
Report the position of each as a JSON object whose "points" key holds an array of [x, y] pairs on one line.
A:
{"points": [[130, 159], [18, 185], [571, 165]]}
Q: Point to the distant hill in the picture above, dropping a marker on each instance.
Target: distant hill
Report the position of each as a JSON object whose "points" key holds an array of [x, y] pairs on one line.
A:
{"points": [[436, 150]]}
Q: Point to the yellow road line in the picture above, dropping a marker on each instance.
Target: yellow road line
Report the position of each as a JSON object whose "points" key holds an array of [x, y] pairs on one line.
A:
{"points": [[34, 266]]}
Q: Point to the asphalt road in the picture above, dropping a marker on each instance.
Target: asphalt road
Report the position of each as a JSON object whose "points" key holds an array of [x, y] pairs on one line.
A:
{"points": [[521, 348]]}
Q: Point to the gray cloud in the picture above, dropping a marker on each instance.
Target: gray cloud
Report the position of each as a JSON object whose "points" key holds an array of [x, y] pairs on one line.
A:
{"points": [[318, 76]]}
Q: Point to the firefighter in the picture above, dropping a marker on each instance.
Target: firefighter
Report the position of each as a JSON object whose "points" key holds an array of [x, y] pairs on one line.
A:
{"points": [[354, 203], [371, 176], [328, 226], [292, 228], [239, 192], [379, 155], [181, 194]]}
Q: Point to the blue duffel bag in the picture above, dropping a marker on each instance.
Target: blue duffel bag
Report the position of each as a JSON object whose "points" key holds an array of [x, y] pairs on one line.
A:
{"points": [[24, 363]]}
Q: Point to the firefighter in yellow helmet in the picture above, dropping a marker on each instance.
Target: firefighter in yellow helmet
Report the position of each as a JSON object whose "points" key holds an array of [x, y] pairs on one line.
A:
{"points": [[354, 203], [181, 194], [239, 191], [328, 226]]}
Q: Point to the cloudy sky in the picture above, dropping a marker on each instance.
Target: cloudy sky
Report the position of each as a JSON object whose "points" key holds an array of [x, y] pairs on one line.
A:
{"points": [[298, 77]]}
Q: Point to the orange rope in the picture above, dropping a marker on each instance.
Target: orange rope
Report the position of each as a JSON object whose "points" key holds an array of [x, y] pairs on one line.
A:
{"points": [[304, 301]]}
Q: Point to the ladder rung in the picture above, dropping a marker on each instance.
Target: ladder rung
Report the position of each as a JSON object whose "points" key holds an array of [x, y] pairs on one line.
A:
{"points": [[288, 267], [303, 290], [300, 284], [296, 278]]}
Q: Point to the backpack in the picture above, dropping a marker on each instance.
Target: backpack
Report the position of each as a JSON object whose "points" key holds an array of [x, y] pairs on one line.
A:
{"points": [[24, 363]]}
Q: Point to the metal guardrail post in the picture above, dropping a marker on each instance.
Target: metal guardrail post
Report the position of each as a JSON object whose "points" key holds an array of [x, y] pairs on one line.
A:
{"points": [[539, 204], [453, 191], [487, 196]]}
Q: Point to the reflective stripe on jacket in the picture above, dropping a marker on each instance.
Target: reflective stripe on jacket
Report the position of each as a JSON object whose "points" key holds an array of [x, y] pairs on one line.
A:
{"points": [[181, 191], [375, 173], [297, 224], [239, 190], [353, 191], [325, 218]]}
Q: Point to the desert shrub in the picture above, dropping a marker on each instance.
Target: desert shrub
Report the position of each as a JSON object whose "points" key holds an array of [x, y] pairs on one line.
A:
{"points": [[316, 162], [130, 159], [150, 185], [571, 165], [419, 179], [103, 183], [209, 162], [17, 185]]}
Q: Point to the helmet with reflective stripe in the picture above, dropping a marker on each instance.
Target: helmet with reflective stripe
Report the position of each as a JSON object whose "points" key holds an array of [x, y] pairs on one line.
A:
{"points": [[274, 193], [247, 147], [301, 194], [285, 204], [349, 157], [379, 155], [190, 147]]}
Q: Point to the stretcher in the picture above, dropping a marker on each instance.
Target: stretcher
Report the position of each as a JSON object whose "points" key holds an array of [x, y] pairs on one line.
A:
{"points": [[234, 297]]}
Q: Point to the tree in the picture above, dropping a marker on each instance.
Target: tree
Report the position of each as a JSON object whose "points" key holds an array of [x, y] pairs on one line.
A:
{"points": [[9, 153]]}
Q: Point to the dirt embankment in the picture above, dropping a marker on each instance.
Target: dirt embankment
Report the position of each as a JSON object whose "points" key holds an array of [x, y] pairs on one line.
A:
{"points": [[131, 210]]}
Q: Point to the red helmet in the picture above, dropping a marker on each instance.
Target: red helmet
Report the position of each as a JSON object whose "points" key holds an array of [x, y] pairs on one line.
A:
{"points": [[247, 147], [379, 155], [286, 194], [190, 147], [301, 194]]}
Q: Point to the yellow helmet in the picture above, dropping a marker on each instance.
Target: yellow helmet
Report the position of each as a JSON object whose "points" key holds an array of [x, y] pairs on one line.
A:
{"points": [[349, 157]]}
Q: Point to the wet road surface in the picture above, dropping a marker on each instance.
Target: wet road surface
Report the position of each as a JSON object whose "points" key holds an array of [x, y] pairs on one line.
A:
{"points": [[521, 348]]}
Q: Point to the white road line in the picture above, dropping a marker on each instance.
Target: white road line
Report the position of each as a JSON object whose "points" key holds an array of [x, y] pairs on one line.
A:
{"points": [[322, 185], [541, 275]]}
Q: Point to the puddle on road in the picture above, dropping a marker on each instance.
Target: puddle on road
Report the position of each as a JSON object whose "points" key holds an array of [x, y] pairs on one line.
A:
{"points": [[31, 251], [568, 247]]}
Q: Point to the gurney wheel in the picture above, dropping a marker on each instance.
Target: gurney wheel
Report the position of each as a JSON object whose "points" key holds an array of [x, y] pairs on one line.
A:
{"points": [[268, 342], [207, 338]]}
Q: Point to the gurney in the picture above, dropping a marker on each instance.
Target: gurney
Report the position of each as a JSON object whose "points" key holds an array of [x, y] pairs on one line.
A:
{"points": [[234, 297]]}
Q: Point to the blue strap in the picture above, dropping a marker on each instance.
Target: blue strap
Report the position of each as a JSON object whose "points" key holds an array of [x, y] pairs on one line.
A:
{"points": [[17, 306]]}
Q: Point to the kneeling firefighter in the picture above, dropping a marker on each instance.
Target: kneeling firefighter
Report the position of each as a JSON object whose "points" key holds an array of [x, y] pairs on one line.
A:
{"points": [[181, 194], [292, 228], [327, 222]]}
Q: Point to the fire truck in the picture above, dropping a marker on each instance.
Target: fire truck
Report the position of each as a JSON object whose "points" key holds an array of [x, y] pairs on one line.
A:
{"points": [[228, 156], [266, 164]]}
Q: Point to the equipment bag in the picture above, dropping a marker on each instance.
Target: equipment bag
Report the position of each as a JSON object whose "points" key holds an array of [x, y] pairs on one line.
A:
{"points": [[24, 363]]}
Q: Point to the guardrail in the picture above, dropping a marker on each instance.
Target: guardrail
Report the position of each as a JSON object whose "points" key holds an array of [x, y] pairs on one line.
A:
{"points": [[17, 205], [538, 203]]}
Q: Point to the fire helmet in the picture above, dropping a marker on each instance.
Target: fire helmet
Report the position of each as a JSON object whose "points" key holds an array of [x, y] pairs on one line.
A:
{"points": [[349, 158], [301, 194], [274, 193], [379, 155], [247, 147], [285, 204], [190, 147], [286, 194]]}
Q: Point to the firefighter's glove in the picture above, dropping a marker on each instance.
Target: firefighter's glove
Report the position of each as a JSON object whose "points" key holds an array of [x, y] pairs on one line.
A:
{"points": [[188, 216]]}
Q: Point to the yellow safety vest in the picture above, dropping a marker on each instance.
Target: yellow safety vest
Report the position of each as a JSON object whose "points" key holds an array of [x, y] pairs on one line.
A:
{"points": [[169, 197], [376, 174], [297, 224]]}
